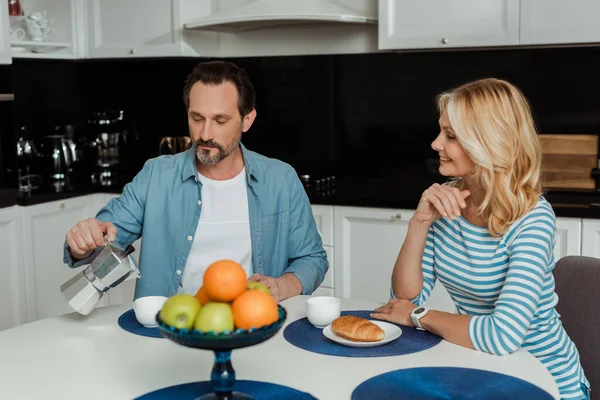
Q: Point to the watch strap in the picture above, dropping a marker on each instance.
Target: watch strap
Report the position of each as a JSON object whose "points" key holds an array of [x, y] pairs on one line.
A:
{"points": [[417, 316]]}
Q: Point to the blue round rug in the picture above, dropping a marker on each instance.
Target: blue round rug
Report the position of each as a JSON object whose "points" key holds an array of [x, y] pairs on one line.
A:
{"points": [[304, 335], [129, 322], [259, 390], [437, 383]]}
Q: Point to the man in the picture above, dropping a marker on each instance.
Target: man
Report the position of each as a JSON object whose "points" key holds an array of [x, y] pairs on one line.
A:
{"points": [[215, 201]]}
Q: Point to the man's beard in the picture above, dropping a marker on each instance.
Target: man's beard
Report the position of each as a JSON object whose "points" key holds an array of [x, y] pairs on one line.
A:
{"points": [[205, 157]]}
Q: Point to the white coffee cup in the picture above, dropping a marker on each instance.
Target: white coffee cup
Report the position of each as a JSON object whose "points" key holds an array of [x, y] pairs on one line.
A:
{"points": [[146, 308], [322, 310]]}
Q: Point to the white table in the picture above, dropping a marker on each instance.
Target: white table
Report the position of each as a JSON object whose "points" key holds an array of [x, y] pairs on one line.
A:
{"points": [[91, 357]]}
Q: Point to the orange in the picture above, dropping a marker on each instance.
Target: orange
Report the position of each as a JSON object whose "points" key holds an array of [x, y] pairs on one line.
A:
{"points": [[254, 309], [202, 296], [224, 280]]}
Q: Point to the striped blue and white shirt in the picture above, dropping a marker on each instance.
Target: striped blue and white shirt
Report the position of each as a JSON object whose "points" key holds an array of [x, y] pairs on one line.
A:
{"points": [[506, 284]]}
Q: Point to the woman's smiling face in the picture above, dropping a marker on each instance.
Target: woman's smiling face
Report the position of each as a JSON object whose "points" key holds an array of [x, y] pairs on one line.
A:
{"points": [[454, 161]]}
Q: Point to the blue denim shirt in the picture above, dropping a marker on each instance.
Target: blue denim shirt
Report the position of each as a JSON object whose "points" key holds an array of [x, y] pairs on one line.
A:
{"points": [[163, 203]]}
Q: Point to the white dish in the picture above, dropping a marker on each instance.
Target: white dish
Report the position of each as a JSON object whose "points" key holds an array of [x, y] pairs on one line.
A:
{"points": [[392, 332]]}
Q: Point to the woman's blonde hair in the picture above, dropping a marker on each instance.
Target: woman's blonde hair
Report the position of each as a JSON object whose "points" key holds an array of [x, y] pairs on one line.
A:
{"points": [[492, 121]]}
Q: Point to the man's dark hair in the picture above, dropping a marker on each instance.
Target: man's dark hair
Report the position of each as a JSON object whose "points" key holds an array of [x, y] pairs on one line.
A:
{"points": [[217, 72]]}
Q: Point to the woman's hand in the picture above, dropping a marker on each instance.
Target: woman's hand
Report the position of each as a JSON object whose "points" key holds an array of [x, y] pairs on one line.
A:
{"points": [[440, 200], [397, 311]]}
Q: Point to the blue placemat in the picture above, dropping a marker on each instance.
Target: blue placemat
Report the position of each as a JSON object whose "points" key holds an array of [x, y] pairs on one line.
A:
{"points": [[429, 383], [260, 390], [128, 322], [303, 334]]}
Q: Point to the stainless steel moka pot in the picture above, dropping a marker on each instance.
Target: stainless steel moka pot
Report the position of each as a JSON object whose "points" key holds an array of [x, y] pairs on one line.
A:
{"points": [[111, 266]]}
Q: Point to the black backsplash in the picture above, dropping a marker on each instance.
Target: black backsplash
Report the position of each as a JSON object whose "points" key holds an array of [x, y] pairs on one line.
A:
{"points": [[8, 178], [364, 115]]}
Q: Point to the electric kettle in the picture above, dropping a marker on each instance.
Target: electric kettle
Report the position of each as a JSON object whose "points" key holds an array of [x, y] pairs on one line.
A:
{"points": [[111, 266]]}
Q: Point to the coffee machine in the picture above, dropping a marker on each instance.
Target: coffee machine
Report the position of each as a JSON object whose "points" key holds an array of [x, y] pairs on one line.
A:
{"points": [[111, 266], [109, 137]]}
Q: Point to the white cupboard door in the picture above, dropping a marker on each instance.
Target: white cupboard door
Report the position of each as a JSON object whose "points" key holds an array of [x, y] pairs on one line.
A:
{"points": [[5, 57], [324, 219], [367, 242], [133, 28], [559, 21], [13, 296], [44, 230], [409, 24], [328, 281], [568, 237], [590, 240]]}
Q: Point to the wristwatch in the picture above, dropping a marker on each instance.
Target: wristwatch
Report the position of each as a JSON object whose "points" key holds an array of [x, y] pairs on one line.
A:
{"points": [[417, 314]]}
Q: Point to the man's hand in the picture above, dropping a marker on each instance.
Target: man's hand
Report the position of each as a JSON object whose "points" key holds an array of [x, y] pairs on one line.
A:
{"points": [[86, 235], [397, 311], [281, 288]]}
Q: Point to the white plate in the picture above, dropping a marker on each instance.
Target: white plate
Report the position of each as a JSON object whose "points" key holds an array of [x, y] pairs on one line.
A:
{"points": [[392, 332]]}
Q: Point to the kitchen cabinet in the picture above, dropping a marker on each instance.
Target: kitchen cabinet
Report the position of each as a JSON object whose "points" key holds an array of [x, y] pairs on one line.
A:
{"points": [[13, 295], [568, 237], [367, 243], [66, 18], [323, 216], [44, 229], [559, 21], [5, 57], [133, 28], [590, 238], [408, 24]]}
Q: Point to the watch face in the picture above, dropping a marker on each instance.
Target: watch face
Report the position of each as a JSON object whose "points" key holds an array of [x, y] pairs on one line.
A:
{"points": [[419, 310]]}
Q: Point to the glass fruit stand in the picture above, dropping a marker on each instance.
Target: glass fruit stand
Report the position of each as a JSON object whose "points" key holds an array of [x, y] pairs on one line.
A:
{"points": [[222, 375]]}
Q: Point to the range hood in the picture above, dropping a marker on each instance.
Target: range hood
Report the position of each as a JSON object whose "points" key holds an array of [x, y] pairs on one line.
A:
{"points": [[262, 14]]}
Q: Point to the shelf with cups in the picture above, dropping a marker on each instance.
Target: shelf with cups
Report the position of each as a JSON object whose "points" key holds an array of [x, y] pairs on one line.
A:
{"points": [[44, 29]]}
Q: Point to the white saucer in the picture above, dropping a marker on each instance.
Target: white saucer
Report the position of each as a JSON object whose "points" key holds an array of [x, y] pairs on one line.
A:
{"points": [[392, 332]]}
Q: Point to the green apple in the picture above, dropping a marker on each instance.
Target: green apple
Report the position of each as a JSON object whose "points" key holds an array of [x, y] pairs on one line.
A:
{"points": [[180, 311], [261, 287], [216, 317]]}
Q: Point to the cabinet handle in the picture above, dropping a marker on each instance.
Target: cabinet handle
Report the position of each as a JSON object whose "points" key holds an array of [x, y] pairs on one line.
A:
{"points": [[131, 51], [396, 217], [444, 41]]}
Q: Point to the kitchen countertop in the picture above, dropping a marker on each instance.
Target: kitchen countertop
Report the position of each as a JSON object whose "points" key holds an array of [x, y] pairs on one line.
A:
{"points": [[379, 192], [561, 209], [40, 198], [8, 197], [387, 193]]}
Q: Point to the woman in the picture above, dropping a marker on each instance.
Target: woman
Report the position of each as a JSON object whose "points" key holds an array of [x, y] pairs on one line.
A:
{"points": [[488, 236]]}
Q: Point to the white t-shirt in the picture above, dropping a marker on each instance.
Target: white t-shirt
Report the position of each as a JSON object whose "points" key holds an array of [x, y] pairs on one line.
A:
{"points": [[223, 230]]}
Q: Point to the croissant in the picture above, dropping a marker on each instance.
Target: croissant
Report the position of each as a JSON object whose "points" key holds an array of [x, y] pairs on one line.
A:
{"points": [[357, 329]]}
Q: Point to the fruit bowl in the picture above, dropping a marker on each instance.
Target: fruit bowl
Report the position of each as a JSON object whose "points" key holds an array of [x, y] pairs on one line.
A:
{"points": [[223, 374]]}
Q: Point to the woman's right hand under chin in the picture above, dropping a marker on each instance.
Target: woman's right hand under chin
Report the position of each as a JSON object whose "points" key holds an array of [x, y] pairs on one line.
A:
{"points": [[440, 201]]}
